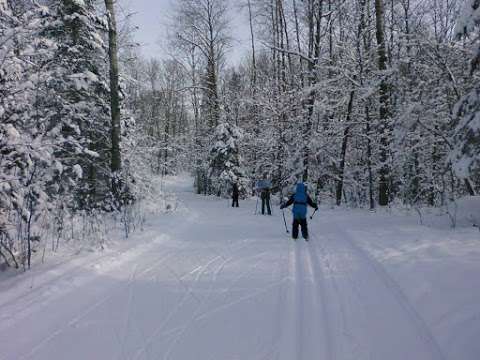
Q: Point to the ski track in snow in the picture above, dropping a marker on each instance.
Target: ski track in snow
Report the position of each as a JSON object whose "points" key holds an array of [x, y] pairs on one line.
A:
{"points": [[388, 285], [55, 278], [224, 285], [395, 289], [77, 318]]}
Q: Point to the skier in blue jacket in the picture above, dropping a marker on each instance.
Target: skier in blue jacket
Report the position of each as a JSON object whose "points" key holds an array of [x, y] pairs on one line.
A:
{"points": [[300, 200]]}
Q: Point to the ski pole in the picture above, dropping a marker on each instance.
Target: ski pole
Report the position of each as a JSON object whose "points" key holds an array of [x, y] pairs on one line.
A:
{"points": [[285, 222], [256, 206], [311, 217]]}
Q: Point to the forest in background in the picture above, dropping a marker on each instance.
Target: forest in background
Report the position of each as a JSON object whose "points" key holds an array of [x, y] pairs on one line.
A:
{"points": [[371, 102]]}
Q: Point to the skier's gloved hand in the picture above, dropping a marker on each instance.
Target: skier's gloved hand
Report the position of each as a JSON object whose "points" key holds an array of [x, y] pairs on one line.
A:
{"points": [[316, 207], [282, 206]]}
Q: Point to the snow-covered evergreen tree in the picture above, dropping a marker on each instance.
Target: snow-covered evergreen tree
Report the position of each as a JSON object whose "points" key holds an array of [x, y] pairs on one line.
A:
{"points": [[27, 142], [466, 152], [78, 101], [53, 117], [225, 161]]}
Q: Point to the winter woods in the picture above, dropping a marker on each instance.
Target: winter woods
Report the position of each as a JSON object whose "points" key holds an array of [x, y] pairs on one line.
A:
{"points": [[372, 102], [366, 100], [59, 150]]}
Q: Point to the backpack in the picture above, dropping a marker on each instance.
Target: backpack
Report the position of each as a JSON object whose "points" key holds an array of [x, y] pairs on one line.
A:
{"points": [[263, 184], [300, 202]]}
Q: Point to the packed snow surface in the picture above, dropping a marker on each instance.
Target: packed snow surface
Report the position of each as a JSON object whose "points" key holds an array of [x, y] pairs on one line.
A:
{"points": [[211, 282]]}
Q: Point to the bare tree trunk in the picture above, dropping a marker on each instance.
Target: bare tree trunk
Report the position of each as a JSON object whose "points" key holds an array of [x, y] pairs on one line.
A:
{"points": [[196, 119], [280, 26], [253, 91], [469, 186], [275, 43], [166, 136], [346, 135], [369, 159], [280, 44], [366, 39], [12, 256], [252, 38], [330, 32], [116, 159], [384, 181], [214, 106], [287, 41], [314, 52], [299, 48]]}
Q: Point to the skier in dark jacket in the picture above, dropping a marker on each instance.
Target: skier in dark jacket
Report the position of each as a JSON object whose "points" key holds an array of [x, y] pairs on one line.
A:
{"points": [[265, 196], [300, 200], [235, 195]]}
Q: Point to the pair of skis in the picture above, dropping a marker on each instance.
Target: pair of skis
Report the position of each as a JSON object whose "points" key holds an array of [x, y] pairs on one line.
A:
{"points": [[303, 239]]}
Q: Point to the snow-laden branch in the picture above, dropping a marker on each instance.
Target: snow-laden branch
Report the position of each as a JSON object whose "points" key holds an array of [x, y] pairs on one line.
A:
{"points": [[290, 52]]}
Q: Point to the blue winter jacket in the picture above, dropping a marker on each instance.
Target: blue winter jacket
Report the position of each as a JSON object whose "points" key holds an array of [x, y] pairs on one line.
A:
{"points": [[300, 200]]}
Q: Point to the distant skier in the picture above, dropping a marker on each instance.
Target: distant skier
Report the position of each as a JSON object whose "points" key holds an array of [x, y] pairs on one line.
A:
{"points": [[265, 196], [263, 187], [235, 195], [300, 200]]}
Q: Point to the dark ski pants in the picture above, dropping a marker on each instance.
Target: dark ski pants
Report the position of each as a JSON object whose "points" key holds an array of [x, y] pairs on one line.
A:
{"points": [[303, 224], [266, 202], [235, 201]]}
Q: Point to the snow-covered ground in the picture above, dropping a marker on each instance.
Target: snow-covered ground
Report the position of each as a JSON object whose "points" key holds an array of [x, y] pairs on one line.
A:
{"points": [[211, 282]]}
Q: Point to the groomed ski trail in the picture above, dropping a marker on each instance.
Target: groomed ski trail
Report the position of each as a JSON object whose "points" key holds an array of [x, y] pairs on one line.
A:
{"points": [[372, 318], [223, 284]]}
